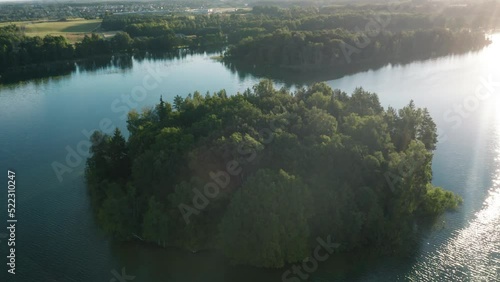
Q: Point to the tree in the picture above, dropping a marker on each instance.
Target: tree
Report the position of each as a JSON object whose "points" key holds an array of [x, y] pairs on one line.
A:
{"points": [[266, 221], [121, 42], [119, 161], [163, 110], [155, 223], [116, 214], [178, 103]]}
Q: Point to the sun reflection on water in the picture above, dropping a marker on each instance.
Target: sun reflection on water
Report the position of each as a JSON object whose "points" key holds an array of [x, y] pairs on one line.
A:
{"points": [[472, 253]]}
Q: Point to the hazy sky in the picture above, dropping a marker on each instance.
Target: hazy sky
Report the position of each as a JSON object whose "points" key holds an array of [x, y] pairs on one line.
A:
{"points": [[44, 1], [25, 1]]}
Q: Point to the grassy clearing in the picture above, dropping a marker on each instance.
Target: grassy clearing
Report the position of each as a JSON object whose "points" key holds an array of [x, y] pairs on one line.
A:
{"points": [[73, 29]]}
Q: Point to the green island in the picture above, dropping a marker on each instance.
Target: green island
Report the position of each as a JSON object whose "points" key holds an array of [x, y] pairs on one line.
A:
{"points": [[260, 175]]}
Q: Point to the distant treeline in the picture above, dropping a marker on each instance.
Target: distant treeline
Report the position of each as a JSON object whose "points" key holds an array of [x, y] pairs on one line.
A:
{"points": [[263, 20], [17, 49], [268, 19], [260, 20], [315, 50], [312, 38], [293, 37], [483, 14]]}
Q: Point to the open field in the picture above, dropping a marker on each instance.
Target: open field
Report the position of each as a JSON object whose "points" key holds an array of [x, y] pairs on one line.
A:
{"points": [[73, 29]]}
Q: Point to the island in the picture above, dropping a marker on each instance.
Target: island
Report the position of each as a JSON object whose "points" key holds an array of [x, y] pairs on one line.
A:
{"points": [[260, 175]]}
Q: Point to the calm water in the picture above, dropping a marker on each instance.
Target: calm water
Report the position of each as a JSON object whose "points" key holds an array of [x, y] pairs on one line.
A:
{"points": [[56, 237]]}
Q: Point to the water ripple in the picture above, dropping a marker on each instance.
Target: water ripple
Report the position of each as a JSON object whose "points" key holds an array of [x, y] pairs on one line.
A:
{"points": [[472, 254]]}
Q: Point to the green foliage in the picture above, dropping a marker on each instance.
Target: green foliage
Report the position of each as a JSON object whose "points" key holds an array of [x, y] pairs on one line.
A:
{"points": [[209, 172], [117, 213], [16, 49], [316, 49], [299, 39], [201, 230], [437, 200], [266, 223], [155, 223]]}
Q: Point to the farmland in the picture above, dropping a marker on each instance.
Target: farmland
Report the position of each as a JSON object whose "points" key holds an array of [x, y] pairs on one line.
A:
{"points": [[73, 29]]}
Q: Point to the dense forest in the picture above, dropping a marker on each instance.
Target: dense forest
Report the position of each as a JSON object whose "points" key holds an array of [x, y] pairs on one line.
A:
{"points": [[305, 51], [17, 49], [261, 174], [297, 37], [396, 17]]}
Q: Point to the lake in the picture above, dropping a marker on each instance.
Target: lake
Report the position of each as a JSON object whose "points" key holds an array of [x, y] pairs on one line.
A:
{"points": [[45, 123]]}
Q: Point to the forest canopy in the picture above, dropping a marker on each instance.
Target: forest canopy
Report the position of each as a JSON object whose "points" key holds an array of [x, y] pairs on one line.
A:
{"points": [[298, 38], [260, 175], [318, 50]]}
